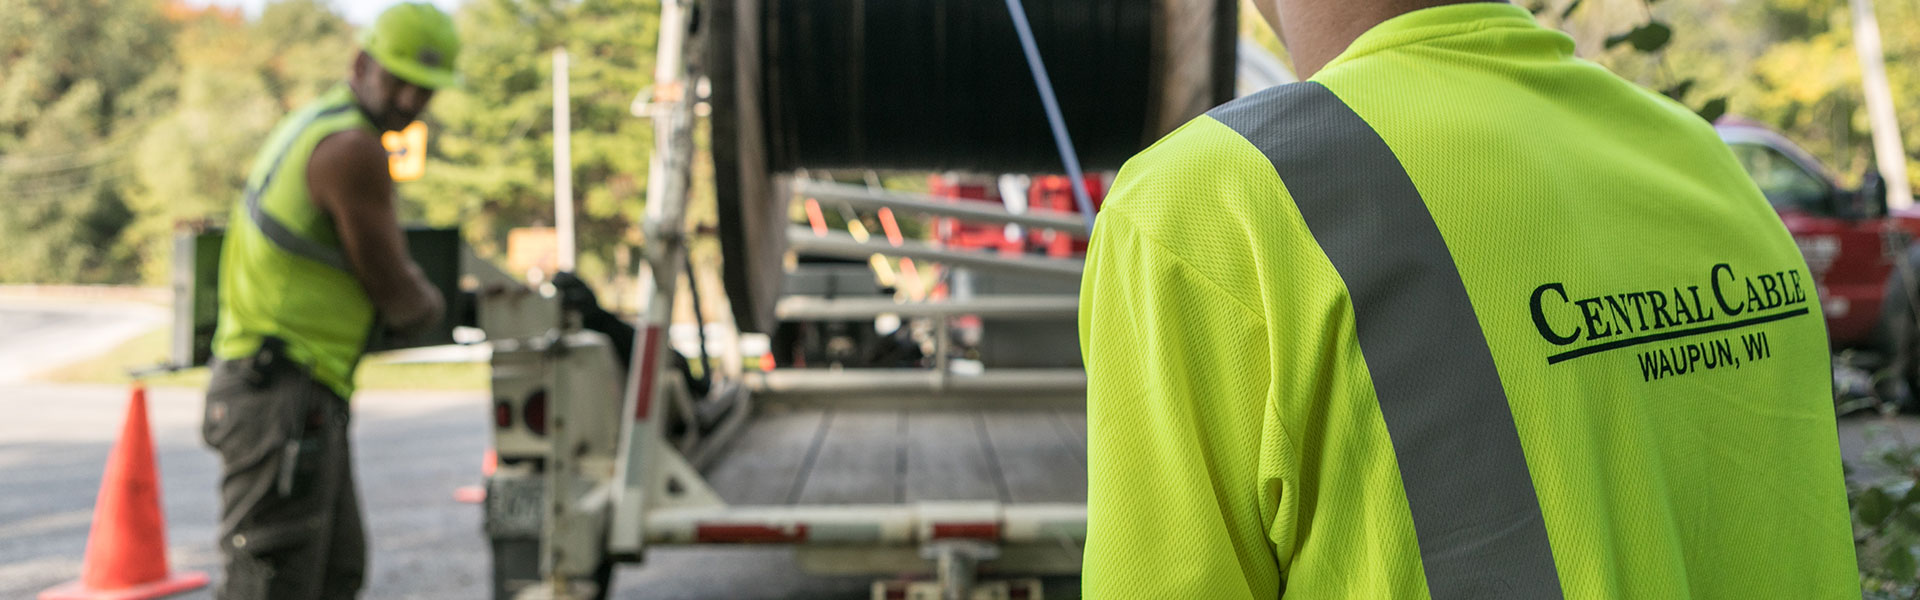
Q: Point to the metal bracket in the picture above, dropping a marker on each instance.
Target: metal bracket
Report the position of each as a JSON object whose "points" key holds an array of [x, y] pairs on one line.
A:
{"points": [[955, 564]]}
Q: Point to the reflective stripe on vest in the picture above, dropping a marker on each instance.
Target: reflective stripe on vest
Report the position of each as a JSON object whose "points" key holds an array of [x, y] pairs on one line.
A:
{"points": [[1475, 512], [272, 228]]}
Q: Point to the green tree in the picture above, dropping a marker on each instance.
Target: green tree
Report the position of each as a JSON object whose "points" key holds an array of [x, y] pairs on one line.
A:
{"points": [[1789, 64], [66, 70], [232, 83], [491, 155]]}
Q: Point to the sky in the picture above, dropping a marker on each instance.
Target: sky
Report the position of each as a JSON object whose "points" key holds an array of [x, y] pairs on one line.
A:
{"points": [[358, 12]]}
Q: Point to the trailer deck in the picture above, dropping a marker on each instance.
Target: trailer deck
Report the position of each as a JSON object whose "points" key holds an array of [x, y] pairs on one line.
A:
{"points": [[797, 454]]}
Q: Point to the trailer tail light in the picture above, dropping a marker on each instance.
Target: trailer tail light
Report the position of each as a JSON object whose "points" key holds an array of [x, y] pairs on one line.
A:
{"points": [[502, 414], [534, 412]]}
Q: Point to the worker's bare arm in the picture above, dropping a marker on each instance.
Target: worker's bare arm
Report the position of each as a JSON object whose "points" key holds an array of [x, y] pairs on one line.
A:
{"points": [[348, 178]]}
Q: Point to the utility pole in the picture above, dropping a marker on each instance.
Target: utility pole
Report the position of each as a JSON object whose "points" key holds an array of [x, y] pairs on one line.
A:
{"points": [[562, 162], [1889, 153]]}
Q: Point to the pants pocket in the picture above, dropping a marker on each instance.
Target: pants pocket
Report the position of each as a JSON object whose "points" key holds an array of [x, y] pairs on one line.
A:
{"points": [[241, 422]]}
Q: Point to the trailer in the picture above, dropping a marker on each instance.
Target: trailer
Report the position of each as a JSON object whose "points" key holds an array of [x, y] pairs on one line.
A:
{"points": [[944, 452], [958, 474]]}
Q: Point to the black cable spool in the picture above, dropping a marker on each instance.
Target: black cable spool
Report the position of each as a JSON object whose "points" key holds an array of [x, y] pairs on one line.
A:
{"points": [[936, 85]]}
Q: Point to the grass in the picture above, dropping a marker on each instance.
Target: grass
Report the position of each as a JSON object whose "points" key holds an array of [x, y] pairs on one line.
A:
{"points": [[149, 349]]}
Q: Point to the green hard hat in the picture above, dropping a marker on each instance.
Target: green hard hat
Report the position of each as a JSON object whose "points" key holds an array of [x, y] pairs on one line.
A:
{"points": [[415, 42]]}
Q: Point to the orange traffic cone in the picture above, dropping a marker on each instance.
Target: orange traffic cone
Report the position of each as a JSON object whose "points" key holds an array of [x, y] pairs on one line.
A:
{"points": [[127, 548], [475, 494]]}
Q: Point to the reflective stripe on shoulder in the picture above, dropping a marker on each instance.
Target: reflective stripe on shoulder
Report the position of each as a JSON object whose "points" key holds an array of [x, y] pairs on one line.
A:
{"points": [[1474, 508], [272, 228]]}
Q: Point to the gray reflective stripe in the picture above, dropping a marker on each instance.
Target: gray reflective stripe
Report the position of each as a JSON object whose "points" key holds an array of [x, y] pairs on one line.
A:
{"points": [[278, 233], [1473, 503]]}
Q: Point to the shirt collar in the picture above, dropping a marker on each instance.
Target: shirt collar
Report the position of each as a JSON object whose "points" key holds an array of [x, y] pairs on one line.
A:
{"points": [[1443, 21]]}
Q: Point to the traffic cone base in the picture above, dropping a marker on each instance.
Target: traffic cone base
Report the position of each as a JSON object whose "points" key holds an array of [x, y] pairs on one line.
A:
{"points": [[127, 546], [174, 584]]}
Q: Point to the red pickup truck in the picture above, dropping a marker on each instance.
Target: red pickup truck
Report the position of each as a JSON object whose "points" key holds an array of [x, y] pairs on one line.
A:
{"points": [[1850, 239], [1841, 232]]}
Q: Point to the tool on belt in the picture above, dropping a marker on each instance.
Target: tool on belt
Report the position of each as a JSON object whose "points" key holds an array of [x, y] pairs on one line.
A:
{"points": [[268, 362]]}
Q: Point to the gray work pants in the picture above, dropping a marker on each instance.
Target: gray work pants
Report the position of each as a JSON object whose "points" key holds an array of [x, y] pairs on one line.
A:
{"points": [[289, 517]]}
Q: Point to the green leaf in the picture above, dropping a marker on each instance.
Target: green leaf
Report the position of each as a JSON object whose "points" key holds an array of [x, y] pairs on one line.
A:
{"points": [[1713, 109], [1650, 37], [1569, 10], [1899, 562], [1908, 519], [1679, 92], [1874, 506], [1895, 457]]}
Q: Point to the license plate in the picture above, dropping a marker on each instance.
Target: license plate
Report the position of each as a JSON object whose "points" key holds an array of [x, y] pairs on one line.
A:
{"points": [[514, 506]]}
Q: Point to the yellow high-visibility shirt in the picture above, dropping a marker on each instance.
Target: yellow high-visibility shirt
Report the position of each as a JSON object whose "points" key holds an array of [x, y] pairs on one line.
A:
{"points": [[1462, 316]]}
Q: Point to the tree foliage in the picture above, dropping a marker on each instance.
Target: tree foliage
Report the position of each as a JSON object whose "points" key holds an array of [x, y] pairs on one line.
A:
{"points": [[1788, 64], [490, 167], [70, 75], [120, 118]]}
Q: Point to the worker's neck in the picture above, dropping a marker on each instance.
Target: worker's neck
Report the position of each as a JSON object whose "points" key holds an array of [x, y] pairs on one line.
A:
{"points": [[1316, 31]]}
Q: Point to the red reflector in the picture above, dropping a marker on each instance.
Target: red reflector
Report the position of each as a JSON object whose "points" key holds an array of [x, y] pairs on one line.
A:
{"points": [[749, 534], [535, 412], [502, 414], [970, 531], [649, 344], [1019, 592]]}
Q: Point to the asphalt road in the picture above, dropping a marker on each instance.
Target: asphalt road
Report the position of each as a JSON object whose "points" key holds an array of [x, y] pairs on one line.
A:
{"points": [[46, 333], [412, 449]]}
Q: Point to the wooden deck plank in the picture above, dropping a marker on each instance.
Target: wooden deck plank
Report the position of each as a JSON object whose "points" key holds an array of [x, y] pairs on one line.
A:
{"points": [[860, 460], [947, 458], [1037, 462], [763, 465]]}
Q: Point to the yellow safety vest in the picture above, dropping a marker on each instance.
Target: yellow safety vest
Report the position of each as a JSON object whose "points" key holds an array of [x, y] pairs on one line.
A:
{"points": [[282, 272]]}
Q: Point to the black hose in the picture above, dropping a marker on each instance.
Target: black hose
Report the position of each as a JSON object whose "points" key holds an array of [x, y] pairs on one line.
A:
{"points": [[700, 326]]}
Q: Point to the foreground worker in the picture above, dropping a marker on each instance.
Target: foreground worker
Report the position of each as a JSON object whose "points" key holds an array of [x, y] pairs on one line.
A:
{"points": [[1461, 316], [314, 262]]}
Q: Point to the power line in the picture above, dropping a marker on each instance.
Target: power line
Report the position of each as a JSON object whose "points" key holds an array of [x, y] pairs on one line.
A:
{"points": [[62, 162]]}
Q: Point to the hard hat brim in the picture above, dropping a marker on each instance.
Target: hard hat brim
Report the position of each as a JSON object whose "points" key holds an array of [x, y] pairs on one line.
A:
{"points": [[433, 79]]}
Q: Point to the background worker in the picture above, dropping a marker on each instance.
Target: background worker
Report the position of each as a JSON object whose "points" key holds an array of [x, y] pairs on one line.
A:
{"points": [[1464, 317], [313, 262]]}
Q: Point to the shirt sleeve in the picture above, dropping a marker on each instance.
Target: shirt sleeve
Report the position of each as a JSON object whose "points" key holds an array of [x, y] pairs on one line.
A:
{"points": [[1177, 386]]}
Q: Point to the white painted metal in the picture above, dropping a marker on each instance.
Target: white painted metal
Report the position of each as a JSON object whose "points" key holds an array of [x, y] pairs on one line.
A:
{"points": [[915, 381], [839, 245], [562, 160], [869, 199], [583, 387], [1887, 147], [1011, 306], [910, 525], [667, 185]]}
